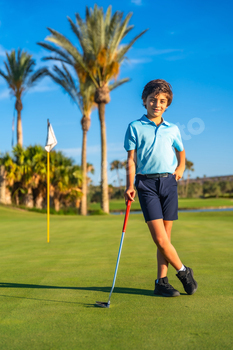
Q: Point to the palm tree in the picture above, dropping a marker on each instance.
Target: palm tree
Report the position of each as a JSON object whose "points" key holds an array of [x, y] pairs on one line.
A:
{"points": [[65, 179], [20, 78], [83, 96], [116, 165], [38, 157], [20, 174], [25, 174], [189, 167], [100, 57], [12, 175]]}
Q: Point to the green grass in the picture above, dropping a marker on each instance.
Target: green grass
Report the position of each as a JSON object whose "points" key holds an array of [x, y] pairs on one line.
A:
{"points": [[205, 203], [186, 203], [48, 290]]}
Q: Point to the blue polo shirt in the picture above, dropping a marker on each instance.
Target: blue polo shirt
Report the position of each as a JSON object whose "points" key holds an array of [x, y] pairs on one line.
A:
{"points": [[154, 145]]}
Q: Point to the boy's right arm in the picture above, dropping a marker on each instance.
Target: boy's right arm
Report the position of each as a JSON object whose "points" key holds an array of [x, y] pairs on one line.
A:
{"points": [[130, 175]]}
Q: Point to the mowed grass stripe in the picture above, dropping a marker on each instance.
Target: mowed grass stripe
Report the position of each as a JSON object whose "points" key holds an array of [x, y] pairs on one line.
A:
{"points": [[48, 290]]}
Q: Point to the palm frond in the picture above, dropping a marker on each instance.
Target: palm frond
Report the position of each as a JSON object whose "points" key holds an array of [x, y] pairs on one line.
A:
{"points": [[4, 75], [49, 58], [80, 31], [61, 41], [82, 94], [11, 63], [113, 27], [108, 16], [64, 79], [76, 31], [128, 29], [101, 29], [26, 67], [118, 83], [91, 31], [119, 34], [123, 50], [58, 51], [8, 69], [65, 74], [35, 77]]}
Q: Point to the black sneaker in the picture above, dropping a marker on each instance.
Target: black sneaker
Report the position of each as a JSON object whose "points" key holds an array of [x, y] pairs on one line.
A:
{"points": [[165, 289], [186, 278]]}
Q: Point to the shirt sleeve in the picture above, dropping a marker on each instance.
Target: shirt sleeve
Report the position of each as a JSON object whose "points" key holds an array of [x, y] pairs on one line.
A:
{"points": [[177, 142], [130, 139]]}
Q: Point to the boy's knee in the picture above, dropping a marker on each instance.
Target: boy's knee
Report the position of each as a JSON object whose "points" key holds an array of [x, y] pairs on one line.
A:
{"points": [[161, 243]]}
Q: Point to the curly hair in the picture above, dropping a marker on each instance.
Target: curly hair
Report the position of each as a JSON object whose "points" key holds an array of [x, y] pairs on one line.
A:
{"points": [[157, 86]]}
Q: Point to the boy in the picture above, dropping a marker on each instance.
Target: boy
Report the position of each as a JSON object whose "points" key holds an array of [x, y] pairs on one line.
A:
{"points": [[151, 143]]}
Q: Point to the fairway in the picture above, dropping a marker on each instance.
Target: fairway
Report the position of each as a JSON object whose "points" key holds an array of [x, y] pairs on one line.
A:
{"points": [[184, 203], [48, 290]]}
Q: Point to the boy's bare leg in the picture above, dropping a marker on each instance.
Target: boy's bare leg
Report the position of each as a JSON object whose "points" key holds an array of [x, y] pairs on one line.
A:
{"points": [[160, 237], [162, 264]]}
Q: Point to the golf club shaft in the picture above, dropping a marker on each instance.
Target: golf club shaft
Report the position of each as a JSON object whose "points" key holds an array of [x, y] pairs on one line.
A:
{"points": [[120, 248]]}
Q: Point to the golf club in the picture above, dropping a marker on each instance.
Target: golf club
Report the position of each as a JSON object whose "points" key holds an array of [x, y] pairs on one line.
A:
{"points": [[106, 305]]}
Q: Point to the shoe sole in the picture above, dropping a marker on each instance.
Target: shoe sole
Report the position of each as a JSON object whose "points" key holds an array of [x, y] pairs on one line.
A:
{"points": [[168, 295]]}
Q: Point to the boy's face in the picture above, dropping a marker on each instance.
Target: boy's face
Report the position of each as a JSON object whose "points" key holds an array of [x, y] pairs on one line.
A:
{"points": [[156, 105]]}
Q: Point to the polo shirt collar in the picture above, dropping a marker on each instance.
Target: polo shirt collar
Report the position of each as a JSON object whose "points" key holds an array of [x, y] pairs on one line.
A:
{"points": [[145, 120]]}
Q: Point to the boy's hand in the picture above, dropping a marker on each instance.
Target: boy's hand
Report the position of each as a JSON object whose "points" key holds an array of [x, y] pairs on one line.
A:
{"points": [[129, 194], [178, 173]]}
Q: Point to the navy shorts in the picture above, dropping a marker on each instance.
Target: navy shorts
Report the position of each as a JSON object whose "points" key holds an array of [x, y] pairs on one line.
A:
{"points": [[158, 197]]}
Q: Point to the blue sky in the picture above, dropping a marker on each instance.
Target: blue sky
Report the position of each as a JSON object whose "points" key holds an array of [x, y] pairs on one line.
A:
{"points": [[189, 44]]}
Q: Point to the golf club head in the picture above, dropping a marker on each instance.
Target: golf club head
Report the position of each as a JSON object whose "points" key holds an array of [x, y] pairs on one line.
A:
{"points": [[101, 304]]}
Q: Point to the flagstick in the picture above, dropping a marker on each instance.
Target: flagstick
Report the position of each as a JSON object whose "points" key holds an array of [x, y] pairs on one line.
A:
{"points": [[48, 195], [50, 143]]}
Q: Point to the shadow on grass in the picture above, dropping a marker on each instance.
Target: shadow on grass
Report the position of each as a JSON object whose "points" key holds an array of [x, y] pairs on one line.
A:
{"points": [[134, 291], [96, 289], [39, 299]]}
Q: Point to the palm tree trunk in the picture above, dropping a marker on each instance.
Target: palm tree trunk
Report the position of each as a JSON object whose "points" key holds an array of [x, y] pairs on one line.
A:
{"points": [[104, 177], [56, 204], [86, 121], [83, 206], [19, 107]]}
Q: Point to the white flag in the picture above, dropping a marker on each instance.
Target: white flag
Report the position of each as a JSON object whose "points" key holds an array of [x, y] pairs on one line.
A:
{"points": [[51, 139]]}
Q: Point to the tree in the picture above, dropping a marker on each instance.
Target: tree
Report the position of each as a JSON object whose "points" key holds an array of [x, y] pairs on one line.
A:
{"points": [[116, 165], [195, 190], [66, 179], [20, 78], [82, 94], [99, 58], [211, 188], [26, 176], [12, 174], [225, 187], [188, 167], [23, 172]]}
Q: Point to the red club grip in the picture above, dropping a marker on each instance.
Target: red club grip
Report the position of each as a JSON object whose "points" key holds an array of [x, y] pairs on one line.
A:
{"points": [[126, 215]]}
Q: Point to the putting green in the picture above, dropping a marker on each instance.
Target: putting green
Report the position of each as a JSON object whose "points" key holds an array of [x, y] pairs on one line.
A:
{"points": [[48, 290]]}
